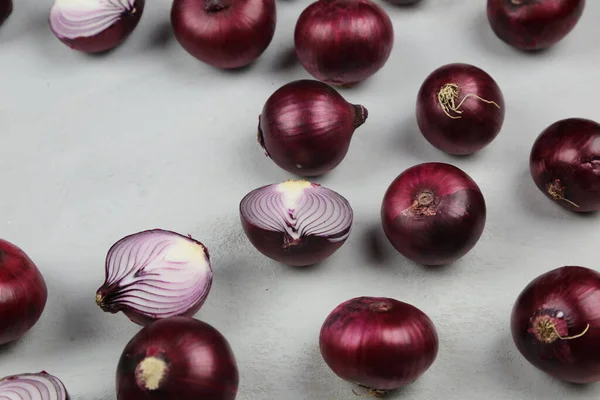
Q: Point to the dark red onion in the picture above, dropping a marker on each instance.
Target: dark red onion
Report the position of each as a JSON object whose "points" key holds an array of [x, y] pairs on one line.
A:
{"points": [[460, 109], [6, 7], [533, 24], [224, 33], [177, 358], [342, 42], [433, 213], [23, 293], [306, 127], [379, 343], [94, 26], [555, 324], [39, 386], [296, 222], [155, 274], [565, 164]]}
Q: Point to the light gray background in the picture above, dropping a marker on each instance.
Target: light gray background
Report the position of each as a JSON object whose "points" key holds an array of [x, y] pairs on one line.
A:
{"points": [[95, 148]]}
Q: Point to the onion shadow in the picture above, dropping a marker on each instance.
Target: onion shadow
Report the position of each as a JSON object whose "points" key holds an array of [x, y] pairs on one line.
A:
{"points": [[286, 60], [161, 36], [375, 246], [10, 347]]}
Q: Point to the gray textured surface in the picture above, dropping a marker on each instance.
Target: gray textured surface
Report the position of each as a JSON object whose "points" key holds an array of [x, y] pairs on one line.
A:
{"points": [[94, 148]]}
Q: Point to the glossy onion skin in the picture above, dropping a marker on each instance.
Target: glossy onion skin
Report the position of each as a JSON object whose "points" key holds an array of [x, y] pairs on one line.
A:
{"points": [[200, 362], [6, 7], [306, 127], [566, 157], [533, 24], [445, 230], [234, 34], [574, 292], [342, 42], [110, 38], [479, 123], [377, 342], [23, 293]]}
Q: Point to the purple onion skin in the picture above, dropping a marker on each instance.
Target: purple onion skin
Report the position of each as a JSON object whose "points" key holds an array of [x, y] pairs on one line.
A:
{"points": [[568, 299], [224, 33], [110, 38], [378, 342], [306, 127], [6, 7], [565, 164], [342, 42], [531, 25], [479, 123], [199, 362], [23, 293], [433, 213]]}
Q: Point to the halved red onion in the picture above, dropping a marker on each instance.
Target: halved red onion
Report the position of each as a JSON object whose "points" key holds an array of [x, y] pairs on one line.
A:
{"points": [[155, 274], [40, 386], [296, 222], [94, 26]]}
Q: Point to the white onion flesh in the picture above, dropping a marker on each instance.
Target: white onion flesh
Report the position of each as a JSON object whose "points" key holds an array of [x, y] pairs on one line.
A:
{"points": [[41, 386]]}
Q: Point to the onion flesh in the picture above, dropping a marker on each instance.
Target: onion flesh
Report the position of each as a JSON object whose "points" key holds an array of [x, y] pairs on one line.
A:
{"points": [[298, 223], [555, 324], [155, 274], [39, 386]]}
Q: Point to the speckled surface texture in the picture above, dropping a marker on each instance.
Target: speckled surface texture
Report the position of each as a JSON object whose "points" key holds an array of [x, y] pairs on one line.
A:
{"points": [[95, 148]]}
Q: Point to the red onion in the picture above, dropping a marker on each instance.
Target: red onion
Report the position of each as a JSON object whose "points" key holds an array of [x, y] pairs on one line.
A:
{"points": [[177, 358], [297, 223], [565, 164], [555, 324], [460, 109], [94, 26], [533, 24], [379, 343], [40, 386], [306, 127], [224, 33], [6, 7], [433, 213], [23, 293], [342, 42], [155, 274]]}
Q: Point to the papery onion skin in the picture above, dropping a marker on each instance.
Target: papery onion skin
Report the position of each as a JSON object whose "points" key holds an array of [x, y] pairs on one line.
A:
{"points": [[224, 33], [306, 127], [565, 164], [532, 25], [377, 342], [23, 293], [169, 275], [565, 302], [6, 7], [37, 386], [94, 26], [177, 358], [433, 213], [297, 223], [472, 126], [343, 42]]}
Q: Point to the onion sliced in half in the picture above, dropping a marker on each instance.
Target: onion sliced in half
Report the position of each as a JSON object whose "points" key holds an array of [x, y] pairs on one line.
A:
{"points": [[40, 386]]}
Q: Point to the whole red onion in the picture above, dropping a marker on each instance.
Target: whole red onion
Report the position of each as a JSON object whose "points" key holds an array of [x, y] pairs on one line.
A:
{"points": [[155, 274], [94, 26], [296, 222], [433, 213], [23, 293], [6, 7], [343, 42], [306, 127], [379, 343], [177, 358], [224, 33], [555, 324], [460, 109], [565, 164], [39, 386], [533, 24]]}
